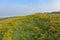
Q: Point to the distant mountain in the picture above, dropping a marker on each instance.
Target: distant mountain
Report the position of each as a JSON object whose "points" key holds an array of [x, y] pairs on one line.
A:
{"points": [[56, 12], [31, 27]]}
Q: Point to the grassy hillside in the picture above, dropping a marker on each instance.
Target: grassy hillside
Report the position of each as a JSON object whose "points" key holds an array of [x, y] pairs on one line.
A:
{"points": [[31, 27]]}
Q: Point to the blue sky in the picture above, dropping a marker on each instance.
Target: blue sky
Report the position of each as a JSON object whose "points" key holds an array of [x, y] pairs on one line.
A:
{"points": [[26, 7]]}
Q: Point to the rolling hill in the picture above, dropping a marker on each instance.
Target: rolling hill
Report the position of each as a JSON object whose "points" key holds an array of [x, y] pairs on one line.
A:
{"points": [[31, 27]]}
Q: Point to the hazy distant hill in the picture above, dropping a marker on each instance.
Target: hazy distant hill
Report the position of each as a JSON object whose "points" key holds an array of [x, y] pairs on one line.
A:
{"points": [[31, 27]]}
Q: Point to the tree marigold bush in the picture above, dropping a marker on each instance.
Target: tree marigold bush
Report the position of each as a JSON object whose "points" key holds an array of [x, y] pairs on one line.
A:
{"points": [[31, 27]]}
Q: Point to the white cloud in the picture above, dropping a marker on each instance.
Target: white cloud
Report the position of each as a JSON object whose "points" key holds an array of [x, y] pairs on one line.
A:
{"points": [[54, 6]]}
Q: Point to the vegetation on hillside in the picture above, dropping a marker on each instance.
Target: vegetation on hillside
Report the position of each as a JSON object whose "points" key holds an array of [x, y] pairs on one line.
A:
{"points": [[31, 27]]}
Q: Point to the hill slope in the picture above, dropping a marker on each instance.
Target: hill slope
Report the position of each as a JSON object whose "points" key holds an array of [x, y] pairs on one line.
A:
{"points": [[31, 27]]}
